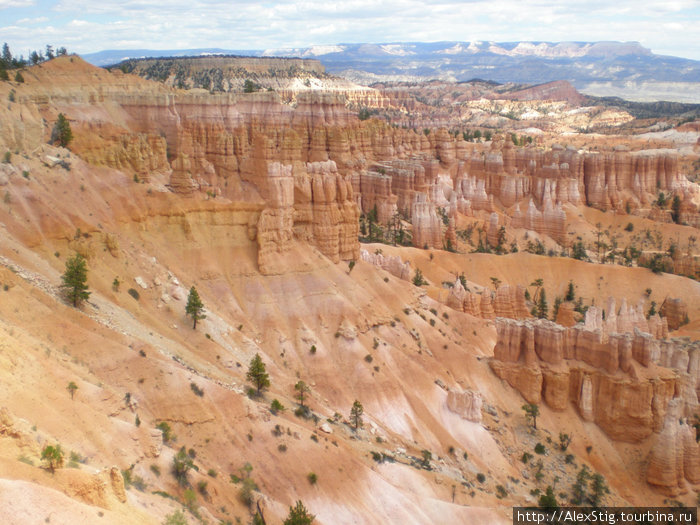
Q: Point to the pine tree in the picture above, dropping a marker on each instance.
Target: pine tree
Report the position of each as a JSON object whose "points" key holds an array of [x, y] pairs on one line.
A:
{"points": [[542, 306], [298, 515], [194, 307], [598, 489], [548, 500], [75, 279], [303, 389], [356, 414], [62, 133], [570, 292], [531, 413], [72, 387], [257, 373]]}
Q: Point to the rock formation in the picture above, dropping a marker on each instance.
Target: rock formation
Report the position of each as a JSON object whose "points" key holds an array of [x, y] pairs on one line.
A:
{"points": [[467, 404], [675, 311], [427, 226], [508, 301], [612, 379], [675, 456], [391, 263]]}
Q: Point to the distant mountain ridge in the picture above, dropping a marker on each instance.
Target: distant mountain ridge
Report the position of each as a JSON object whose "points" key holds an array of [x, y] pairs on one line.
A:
{"points": [[580, 63]]}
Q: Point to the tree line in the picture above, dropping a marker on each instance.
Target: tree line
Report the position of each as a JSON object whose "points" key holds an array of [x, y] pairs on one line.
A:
{"points": [[8, 61]]}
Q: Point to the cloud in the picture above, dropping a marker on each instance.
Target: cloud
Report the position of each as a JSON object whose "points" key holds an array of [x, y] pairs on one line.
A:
{"points": [[249, 24], [6, 4]]}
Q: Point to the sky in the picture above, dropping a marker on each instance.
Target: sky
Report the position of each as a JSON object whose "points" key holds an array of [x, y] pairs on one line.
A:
{"points": [[667, 27]]}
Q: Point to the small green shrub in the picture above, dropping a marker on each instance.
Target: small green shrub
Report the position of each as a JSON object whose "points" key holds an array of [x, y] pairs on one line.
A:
{"points": [[168, 436], [540, 449], [480, 477], [133, 293], [312, 477], [276, 406]]}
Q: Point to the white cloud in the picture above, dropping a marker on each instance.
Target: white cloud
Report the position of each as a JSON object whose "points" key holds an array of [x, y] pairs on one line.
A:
{"points": [[5, 4], [250, 24]]}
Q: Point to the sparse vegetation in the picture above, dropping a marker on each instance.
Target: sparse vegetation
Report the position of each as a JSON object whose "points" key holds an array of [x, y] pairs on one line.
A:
{"points": [[72, 387]]}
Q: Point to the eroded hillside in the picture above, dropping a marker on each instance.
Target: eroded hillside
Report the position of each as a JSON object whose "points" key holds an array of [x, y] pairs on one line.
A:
{"points": [[260, 205]]}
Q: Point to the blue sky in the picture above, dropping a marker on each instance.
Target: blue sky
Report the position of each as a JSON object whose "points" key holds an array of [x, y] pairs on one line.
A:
{"points": [[670, 27]]}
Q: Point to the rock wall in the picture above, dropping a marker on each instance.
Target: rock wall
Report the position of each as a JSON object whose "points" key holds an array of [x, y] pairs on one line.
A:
{"points": [[508, 301], [613, 379]]}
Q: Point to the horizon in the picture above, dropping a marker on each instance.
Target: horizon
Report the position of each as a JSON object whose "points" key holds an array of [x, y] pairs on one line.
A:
{"points": [[665, 28]]}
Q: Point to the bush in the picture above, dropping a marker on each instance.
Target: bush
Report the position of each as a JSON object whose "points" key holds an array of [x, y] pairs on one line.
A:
{"points": [[298, 515], [540, 448], [480, 477], [168, 435], [502, 492], [418, 279], [133, 293], [197, 391], [245, 493], [629, 227], [312, 477], [276, 406], [182, 463], [202, 487], [176, 518], [52, 456]]}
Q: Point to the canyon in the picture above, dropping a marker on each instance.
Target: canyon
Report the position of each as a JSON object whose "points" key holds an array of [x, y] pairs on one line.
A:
{"points": [[380, 257]]}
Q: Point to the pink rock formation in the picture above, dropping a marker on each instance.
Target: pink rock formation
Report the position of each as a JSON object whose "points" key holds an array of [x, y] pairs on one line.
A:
{"points": [[508, 301], [593, 372], [467, 404], [391, 263], [675, 456], [675, 311], [427, 225]]}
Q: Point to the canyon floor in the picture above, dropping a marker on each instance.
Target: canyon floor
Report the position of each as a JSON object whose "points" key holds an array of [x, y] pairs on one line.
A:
{"points": [[260, 202]]}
